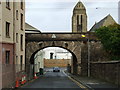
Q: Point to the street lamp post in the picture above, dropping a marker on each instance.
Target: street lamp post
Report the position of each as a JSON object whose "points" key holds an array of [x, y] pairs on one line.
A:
{"points": [[88, 64], [88, 57]]}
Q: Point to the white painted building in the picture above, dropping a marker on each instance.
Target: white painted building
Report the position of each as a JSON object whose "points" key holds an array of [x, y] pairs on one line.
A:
{"points": [[58, 53], [39, 60]]}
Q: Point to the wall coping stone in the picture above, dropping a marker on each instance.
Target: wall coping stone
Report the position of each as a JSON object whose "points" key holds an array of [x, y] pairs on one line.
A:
{"points": [[105, 62]]}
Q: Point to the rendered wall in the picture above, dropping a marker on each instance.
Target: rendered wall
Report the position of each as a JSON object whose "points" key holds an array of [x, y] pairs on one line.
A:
{"points": [[56, 62]]}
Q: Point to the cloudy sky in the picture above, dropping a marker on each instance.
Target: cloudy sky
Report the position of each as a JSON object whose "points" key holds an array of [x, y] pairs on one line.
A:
{"points": [[55, 15]]}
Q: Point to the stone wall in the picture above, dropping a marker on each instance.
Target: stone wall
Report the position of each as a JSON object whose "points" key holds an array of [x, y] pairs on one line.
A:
{"points": [[96, 53], [108, 70], [56, 62], [84, 58], [101, 67]]}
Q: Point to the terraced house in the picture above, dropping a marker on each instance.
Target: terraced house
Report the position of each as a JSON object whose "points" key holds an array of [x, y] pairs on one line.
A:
{"points": [[12, 41]]}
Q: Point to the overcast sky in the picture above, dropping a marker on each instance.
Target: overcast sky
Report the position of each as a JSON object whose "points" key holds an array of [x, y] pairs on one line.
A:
{"points": [[55, 15]]}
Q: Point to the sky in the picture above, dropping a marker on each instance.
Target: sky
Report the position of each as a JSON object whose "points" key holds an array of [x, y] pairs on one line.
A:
{"points": [[56, 15]]}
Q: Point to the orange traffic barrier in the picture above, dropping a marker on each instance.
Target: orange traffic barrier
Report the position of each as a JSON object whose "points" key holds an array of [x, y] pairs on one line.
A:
{"points": [[24, 78], [17, 84], [35, 76], [22, 81]]}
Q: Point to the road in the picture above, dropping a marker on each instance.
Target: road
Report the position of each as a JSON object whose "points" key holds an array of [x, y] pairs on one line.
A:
{"points": [[53, 80]]}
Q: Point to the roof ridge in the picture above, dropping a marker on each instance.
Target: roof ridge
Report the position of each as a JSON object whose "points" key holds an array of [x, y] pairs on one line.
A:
{"points": [[31, 26]]}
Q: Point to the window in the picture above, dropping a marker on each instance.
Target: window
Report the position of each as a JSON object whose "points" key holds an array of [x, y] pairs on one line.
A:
{"points": [[77, 19], [81, 21], [21, 42], [51, 55], [16, 14], [7, 54], [81, 18], [21, 21], [16, 60], [16, 37], [21, 4], [8, 4], [16, 63], [21, 62], [7, 29]]}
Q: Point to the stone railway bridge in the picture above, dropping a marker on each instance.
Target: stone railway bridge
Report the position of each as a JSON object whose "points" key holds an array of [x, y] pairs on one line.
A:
{"points": [[73, 42]]}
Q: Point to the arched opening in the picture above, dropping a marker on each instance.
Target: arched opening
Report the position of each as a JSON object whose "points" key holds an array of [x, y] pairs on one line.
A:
{"points": [[51, 55]]}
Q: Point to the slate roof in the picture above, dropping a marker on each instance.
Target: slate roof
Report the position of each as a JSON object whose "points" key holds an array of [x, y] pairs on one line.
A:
{"points": [[101, 23], [29, 28]]}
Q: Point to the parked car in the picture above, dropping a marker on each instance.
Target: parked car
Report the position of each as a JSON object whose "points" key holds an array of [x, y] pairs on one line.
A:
{"points": [[56, 69]]}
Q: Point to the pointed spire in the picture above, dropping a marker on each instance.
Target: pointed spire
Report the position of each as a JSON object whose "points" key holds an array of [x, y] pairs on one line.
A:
{"points": [[79, 1], [79, 5]]}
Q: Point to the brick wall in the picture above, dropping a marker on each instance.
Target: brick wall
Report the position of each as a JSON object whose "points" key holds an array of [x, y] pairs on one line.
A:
{"points": [[108, 70], [56, 62]]}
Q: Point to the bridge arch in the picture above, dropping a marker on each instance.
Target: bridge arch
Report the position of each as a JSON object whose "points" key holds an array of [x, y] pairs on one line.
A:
{"points": [[35, 47], [74, 58], [73, 42], [32, 56]]}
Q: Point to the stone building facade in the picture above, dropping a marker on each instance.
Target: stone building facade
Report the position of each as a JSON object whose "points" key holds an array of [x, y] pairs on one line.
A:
{"points": [[79, 18], [12, 41], [108, 20], [19, 37]]}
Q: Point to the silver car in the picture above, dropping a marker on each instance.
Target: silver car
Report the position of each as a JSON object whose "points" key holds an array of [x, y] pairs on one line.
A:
{"points": [[56, 69]]}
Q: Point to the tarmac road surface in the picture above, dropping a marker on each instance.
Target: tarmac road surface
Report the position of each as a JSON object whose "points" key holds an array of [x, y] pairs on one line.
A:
{"points": [[53, 80]]}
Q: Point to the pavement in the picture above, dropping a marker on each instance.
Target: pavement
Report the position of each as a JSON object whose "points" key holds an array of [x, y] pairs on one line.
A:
{"points": [[94, 84]]}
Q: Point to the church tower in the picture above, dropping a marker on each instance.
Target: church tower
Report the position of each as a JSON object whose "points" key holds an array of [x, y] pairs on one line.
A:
{"points": [[79, 18]]}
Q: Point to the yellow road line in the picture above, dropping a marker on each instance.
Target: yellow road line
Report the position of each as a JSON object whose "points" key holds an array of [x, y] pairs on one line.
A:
{"points": [[79, 84]]}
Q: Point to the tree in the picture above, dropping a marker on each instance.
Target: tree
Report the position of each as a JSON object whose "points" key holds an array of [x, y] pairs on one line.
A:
{"points": [[110, 38]]}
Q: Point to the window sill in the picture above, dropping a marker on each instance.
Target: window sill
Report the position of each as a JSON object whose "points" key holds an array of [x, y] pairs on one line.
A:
{"points": [[22, 29], [7, 36], [21, 8], [8, 8]]}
